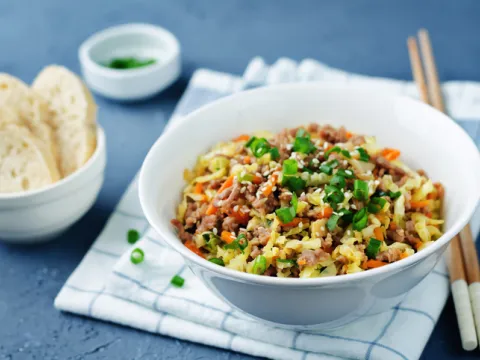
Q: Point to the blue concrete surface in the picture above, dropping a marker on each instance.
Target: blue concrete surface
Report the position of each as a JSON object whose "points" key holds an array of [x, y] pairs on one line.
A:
{"points": [[363, 36]]}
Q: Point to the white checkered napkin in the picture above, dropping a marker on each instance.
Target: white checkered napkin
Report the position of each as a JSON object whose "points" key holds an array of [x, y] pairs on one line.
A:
{"points": [[106, 285]]}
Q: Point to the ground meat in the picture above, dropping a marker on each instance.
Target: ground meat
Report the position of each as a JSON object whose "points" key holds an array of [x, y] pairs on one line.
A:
{"points": [[402, 180], [412, 239], [422, 173], [311, 258], [230, 224], [410, 226], [313, 128], [389, 255], [266, 205], [227, 198], [332, 135], [341, 260], [383, 163], [357, 140], [408, 197], [281, 142], [208, 223], [327, 243], [262, 234], [182, 234], [396, 235], [194, 213], [358, 204], [247, 234], [255, 252], [270, 271], [285, 196]]}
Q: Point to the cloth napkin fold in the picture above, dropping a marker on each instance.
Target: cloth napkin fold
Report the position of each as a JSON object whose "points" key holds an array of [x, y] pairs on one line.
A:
{"points": [[107, 286]]}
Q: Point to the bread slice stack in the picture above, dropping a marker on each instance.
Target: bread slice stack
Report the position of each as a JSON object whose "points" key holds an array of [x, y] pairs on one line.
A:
{"points": [[47, 131]]}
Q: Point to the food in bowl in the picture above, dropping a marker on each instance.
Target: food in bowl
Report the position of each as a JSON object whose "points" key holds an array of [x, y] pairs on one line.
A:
{"points": [[311, 201], [47, 131]]}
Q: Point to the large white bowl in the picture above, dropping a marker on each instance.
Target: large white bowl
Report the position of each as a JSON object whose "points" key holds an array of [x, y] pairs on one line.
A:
{"points": [[428, 140], [40, 215]]}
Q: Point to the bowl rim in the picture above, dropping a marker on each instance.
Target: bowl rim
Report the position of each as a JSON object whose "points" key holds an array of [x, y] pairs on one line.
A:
{"points": [[64, 182], [120, 30], [177, 245]]}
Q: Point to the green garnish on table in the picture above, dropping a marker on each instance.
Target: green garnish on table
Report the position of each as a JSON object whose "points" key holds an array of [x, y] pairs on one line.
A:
{"points": [[129, 63]]}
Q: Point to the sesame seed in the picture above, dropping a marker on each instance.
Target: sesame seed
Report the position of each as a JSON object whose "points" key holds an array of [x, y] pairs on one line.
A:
{"points": [[349, 232], [377, 182], [215, 231], [315, 161], [300, 225], [321, 153], [220, 203], [317, 234], [258, 174], [345, 162], [343, 190], [266, 173], [233, 233], [289, 146], [243, 173], [353, 207], [369, 172], [349, 172], [302, 194], [243, 189], [235, 208], [325, 145], [322, 228]]}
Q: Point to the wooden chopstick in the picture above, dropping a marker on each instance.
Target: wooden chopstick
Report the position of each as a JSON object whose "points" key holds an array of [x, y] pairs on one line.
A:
{"points": [[431, 92]]}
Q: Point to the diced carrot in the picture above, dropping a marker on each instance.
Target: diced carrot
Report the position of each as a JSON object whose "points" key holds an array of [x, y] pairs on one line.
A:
{"points": [[325, 213], [204, 198], [392, 226], [428, 214], [241, 217], [364, 265], [192, 247], [390, 154], [211, 209], [226, 184], [242, 138], [348, 135], [419, 204], [329, 147], [247, 160], [198, 188], [272, 181], [432, 196], [418, 244], [378, 234], [227, 237], [296, 221], [403, 255], [302, 262], [257, 179], [371, 264]]}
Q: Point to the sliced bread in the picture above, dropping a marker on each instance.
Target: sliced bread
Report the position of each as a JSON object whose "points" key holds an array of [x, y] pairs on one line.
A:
{"points": [[25, 162], [30, 107], [74, 115]]}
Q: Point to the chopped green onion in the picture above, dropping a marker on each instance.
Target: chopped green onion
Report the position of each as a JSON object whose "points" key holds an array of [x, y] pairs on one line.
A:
{"points": [[326, 169], [129, 63], [360, 190], [287, 261], [346, 153], [379, 193], [217, 261], [137, 256], [245, 177], [346, 215], [333, 163], [241, 242], [338, 181], [211, 241], [347, 174], [286, 214], [373, 248], [394, 195], [303, 145], [360, 219], [302, 133], [294, 202], [332, 222], [177, 281], [259, 265], [333, 195], [363, 154], [376, 204], [275, 154], [294, 183], [250, 141], [290, 167], [309, 171], [259, 147], [133, 236], [332, 150]]}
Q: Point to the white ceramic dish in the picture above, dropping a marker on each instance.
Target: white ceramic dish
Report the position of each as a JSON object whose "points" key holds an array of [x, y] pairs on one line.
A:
{"points": [[130, 40], [426, 138], [40, 215]]}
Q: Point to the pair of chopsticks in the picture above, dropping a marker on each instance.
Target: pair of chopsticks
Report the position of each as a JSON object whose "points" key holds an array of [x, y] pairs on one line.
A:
{"points": [[463, 259]]}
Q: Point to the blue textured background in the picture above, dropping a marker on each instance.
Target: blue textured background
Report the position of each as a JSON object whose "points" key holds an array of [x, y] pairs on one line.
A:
{"points": [[367, 37]]}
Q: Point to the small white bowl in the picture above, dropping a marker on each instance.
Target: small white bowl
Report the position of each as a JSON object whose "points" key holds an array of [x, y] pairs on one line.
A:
{"points": [[130, 40], [40, 215], [427, 138]]}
